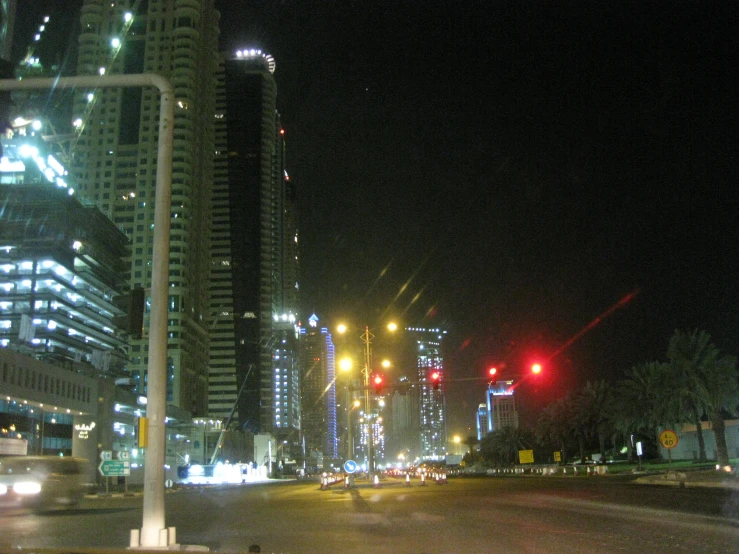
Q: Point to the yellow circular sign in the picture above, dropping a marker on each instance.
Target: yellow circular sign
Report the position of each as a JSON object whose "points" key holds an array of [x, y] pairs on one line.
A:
{"points": [[668, 439]]}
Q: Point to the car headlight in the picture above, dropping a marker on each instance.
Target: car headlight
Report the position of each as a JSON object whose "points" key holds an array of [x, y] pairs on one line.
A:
{"points": [[3, 489], [27, 487]]}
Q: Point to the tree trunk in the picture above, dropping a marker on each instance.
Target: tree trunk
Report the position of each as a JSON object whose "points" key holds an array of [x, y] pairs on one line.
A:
{"points": [[581, 444], [699, 434], [722, 451], [602, 444]]}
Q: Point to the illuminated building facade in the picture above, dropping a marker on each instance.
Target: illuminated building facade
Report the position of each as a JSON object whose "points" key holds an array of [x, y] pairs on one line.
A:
{"points": [[501, 406], [432, 409], [318, 390], [60, 265], [483, 427], [255, 254], [114, 163], [62, 351]]}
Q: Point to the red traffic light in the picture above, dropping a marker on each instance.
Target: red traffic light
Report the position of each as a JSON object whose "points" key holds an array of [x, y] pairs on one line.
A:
{"points": [[436, 378], [492, 371], [536, 369], [377, 380]]}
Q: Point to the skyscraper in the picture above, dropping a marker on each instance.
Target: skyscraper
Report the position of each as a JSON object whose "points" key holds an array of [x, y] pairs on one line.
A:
{"points": [[255, 254], [429, 359], [318, 373], [404, 438], [114, 163], [501, 406]]}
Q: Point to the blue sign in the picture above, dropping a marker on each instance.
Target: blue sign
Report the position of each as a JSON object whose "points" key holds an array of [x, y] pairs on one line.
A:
{"points": [[350, 466]]}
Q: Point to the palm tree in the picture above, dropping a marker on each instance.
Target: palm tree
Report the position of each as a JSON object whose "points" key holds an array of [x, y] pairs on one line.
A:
{"points": [[502, 445], [555, 424], [711, 378], [471, 442], [684, 353], [592, 412], [642, 400]]}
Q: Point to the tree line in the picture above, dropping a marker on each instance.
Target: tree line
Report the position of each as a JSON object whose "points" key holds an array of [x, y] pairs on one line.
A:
{"points": [[696, 383]]}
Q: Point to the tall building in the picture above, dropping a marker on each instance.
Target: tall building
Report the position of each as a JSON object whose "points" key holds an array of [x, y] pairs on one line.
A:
{"points": [[483, 426], [114, 163], [501, 406], [432, 409], [60, 266], [255, 254], [318, 390], [404, 438]]}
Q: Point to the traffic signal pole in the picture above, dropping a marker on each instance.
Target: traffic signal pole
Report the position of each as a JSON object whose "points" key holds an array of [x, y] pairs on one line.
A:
{"points": [[153, 532]]}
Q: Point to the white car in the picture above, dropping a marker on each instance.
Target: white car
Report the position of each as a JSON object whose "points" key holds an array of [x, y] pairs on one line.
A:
{"points": [[41, 482]]}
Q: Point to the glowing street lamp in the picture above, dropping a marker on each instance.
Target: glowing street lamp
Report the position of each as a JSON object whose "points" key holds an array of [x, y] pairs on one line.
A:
{"points": [[367, 337]]}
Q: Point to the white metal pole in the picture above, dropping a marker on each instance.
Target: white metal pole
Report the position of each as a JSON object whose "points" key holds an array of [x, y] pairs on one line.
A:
{"points": [[153, 517]]}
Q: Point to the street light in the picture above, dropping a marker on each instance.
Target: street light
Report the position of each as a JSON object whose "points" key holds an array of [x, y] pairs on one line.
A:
{"points": [[367, 337]]}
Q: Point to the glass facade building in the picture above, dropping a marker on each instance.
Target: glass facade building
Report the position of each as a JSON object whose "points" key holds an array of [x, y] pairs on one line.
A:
{"points": [[318, 390], [113, 161], [429, 360], [254, 269]]}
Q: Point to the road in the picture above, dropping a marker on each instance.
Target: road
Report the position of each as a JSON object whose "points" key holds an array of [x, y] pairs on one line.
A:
{"points": [[485, 515]]}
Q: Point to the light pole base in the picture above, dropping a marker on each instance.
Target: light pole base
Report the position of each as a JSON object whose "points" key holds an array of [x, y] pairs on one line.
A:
{"points": [[167, 540]]}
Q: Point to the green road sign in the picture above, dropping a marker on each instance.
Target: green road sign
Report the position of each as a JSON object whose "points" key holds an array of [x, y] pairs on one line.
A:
{"points": [[115, 468]]}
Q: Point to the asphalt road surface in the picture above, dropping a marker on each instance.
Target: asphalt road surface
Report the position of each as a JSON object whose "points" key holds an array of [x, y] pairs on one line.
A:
{"points": [[469, 515]]}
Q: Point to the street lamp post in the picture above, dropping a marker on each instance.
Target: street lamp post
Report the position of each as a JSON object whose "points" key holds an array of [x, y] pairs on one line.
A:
{"points": [[153, 532], [367, 337], [367, 340]]}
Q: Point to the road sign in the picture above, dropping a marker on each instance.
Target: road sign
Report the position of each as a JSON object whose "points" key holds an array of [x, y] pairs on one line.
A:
{"points": [[106, 455], [115, 468], [557, 456], [350, 466], [526, 456], [123, 455], [668, 439]]}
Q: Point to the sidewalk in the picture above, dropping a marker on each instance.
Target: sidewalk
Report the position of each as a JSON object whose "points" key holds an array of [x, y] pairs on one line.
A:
{"points": [[690, 479]]}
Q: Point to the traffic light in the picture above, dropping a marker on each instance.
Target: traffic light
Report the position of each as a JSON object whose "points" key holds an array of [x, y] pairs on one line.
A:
{"points": [[536, 369], [436, 379], [377, 380], [133, 303], [492, 371]]}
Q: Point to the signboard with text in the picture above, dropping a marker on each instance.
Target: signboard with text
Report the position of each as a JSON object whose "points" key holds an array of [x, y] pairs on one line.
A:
{"points": [[525, 456], [115, 468], [668, 439]]}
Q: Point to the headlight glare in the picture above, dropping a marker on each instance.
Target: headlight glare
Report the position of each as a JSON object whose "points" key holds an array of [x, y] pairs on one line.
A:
{"points": [[27, 487]]}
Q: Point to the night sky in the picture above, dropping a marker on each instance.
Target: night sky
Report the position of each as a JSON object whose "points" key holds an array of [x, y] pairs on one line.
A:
{"points": [[521, 165], [524, 165]]}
